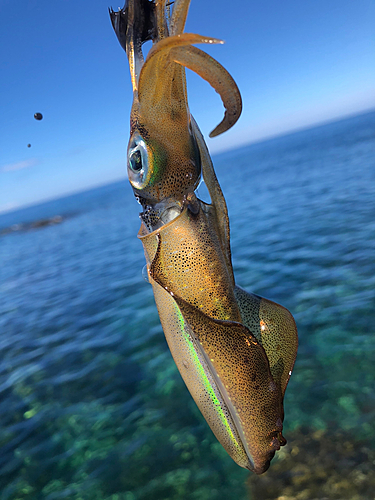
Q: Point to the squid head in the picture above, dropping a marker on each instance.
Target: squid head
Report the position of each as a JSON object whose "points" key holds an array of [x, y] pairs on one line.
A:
{"points": [[164, 163]]}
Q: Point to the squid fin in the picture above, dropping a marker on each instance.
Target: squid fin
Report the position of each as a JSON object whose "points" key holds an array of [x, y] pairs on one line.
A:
{"points": [[274, 328], [219, 207]]}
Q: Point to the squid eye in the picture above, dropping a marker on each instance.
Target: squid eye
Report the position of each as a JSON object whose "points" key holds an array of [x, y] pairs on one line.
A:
{"points": [[137, 162]]}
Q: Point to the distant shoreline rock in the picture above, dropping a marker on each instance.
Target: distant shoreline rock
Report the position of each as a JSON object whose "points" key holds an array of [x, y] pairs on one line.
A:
{"points": [[37, 224]]}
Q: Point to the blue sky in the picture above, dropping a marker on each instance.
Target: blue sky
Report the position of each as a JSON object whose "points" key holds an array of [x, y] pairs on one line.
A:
{"points": [[297, 63]]}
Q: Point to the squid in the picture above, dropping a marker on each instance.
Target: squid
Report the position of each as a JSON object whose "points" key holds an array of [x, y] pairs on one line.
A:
{"points": [[234, 350]]}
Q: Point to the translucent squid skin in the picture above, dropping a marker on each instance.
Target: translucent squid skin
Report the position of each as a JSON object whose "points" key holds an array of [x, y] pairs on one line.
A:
{"points": [[206, 323], [234, 350]]}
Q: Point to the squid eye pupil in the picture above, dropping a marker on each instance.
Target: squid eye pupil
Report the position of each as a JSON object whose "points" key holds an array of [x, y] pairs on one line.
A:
{"points": [[135, 161], [138, 162]]}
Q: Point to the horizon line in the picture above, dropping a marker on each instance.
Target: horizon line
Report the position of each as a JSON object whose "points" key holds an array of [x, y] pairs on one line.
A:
{"points": [[295, 130], [266, 138]]}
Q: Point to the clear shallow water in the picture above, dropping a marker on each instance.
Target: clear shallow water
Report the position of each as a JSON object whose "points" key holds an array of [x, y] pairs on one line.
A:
{"points": [[91, 404]]}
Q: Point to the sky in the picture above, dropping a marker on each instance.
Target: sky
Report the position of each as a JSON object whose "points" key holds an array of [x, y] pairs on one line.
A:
{"points": [[297, 63]]}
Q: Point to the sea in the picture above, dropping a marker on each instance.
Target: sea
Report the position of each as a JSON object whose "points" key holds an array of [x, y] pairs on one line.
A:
{"points": [[92, 406]]}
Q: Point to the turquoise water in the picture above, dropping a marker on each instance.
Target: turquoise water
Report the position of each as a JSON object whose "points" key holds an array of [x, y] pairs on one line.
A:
{"points": [[91, 404]]}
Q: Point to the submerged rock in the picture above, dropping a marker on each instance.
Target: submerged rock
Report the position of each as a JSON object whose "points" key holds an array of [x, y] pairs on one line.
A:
{"points": [[319, 465]]}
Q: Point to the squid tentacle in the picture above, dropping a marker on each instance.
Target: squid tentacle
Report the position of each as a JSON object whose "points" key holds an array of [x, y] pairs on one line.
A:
{"points": [[179, 15]]}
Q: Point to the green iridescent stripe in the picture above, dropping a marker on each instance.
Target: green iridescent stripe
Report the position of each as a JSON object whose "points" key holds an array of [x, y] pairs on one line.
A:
{"points": [[206, 383]]}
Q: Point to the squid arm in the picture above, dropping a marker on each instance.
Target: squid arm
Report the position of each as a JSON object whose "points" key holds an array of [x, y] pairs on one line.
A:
{"points": [[180, 50]]}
